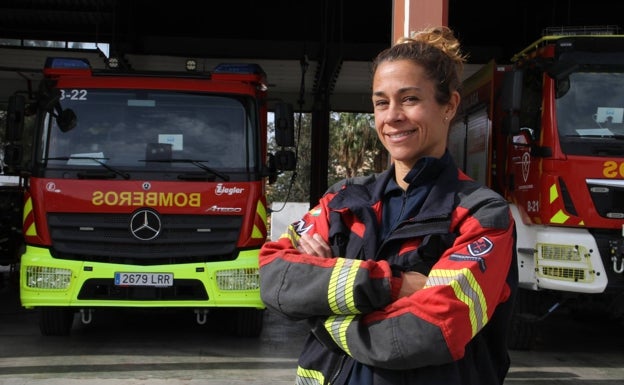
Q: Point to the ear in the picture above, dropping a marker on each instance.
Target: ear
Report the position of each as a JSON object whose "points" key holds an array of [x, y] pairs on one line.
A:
{"points": [[452, 105]]}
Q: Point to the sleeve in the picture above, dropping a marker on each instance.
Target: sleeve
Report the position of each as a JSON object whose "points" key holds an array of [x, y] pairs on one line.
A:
{"points": [[463, 289], [301, 286]]}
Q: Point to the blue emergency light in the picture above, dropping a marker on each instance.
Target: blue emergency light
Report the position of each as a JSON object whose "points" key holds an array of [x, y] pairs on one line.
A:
{"points": [[238, 68], [67, 63]]}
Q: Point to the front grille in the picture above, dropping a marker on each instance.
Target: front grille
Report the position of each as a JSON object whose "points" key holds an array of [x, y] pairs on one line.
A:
{"points": [[182, 289], [564, 273], [107, 238]]}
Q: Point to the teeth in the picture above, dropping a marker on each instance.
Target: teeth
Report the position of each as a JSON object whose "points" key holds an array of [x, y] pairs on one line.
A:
{"points": [[401, 134]]}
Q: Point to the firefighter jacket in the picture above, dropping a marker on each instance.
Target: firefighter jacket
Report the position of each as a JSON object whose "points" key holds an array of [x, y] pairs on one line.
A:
{"points": [[453, 331]]}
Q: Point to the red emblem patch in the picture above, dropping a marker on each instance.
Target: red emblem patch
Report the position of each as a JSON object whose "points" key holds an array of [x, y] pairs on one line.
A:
{"points": [[480, 247]]}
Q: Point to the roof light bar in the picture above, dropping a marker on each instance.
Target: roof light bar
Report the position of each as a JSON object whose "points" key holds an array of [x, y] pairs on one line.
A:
{"points": [[583, 30]]}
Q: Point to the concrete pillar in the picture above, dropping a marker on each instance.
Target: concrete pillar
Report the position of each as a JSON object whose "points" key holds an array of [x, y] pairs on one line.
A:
{"points": [[411, 15], [408, 16]]}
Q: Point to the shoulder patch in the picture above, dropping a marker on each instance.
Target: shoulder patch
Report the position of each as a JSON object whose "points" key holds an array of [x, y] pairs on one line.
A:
{"points": [[480, 247]]}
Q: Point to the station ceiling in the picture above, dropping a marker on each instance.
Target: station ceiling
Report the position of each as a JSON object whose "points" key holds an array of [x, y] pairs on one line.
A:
{"points": [[310, 49]]}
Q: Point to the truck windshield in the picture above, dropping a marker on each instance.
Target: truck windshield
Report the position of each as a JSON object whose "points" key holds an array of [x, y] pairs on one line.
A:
{"points": [[146, 129], [590, 113]]}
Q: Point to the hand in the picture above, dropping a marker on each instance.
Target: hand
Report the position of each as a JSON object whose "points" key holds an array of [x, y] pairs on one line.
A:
{"points": [[412, 282], [314, 245]]}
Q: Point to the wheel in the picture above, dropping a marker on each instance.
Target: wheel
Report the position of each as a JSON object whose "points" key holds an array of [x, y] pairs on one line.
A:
{"points": [[248, 322], [55, 321]]}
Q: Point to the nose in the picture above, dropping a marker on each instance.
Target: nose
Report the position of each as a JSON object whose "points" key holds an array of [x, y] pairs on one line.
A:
{"points": [[394, 113]]}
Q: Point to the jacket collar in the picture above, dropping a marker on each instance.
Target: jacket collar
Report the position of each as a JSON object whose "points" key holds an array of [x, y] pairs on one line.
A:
{"points": [[439, 202]]}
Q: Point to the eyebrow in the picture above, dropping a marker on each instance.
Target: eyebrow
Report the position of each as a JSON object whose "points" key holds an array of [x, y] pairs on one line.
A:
{"points": [[401, 90]]}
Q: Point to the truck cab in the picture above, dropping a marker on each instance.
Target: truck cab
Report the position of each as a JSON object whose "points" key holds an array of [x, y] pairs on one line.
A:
{"points": [[547, 132], [143, 189]]}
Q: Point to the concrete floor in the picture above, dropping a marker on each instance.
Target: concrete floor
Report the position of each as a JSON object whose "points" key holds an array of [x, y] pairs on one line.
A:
{"points": [[140, 347]]}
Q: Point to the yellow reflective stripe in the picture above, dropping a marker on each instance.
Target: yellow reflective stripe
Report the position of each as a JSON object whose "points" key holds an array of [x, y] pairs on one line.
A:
{"points": [[256, 233], [31, 231], [309, 377], [553, 193], [28, 208], [262, 214], [467, 290], [559, 217], [340, 291], [291, 234], [261, 211], [337, 326]]}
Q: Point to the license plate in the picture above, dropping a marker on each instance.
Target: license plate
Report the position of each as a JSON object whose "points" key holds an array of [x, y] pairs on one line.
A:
{"points": [[144, 279]]}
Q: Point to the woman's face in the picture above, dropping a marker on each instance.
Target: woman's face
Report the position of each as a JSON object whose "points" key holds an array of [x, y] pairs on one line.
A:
{"points": [[409, 121]]}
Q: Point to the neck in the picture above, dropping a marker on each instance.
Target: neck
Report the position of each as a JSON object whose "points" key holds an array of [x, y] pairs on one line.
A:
{"points": [[400, 171]]}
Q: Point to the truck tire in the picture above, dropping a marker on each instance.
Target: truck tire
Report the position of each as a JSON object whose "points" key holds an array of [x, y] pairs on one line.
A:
{"points": [[248, 322], [55, 321], [523, 331]]}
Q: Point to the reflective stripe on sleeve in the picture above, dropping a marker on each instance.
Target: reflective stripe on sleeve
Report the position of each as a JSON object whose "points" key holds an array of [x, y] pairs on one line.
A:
{"points": [[466, 289]]}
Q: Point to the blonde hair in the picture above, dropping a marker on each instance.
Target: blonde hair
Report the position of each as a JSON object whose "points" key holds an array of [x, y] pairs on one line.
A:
{"points": [[438, 51]]}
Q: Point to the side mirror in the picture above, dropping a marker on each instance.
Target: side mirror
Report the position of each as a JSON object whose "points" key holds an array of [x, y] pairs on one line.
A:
{"points": [[285, 160], [50, 100], [271, 169], [15, 118], [284, 125], [12, 155], [67, 120]]}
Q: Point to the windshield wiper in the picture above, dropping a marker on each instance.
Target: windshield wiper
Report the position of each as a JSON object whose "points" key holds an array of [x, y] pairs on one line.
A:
{"points": [[198, 163], [99, 161]]}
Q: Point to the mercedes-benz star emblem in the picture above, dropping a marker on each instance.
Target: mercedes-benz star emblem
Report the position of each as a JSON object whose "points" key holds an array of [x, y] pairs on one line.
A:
{"points": [[145, 225]]}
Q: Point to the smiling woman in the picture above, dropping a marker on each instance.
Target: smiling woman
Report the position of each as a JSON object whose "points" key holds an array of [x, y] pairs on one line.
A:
{"points": [[404, 251]]}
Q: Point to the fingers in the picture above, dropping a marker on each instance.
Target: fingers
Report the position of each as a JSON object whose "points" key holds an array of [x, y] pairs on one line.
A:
{"points": [[314, 245], [412, 282]]}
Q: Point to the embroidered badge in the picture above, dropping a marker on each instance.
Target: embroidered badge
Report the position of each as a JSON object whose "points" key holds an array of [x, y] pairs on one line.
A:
{"points": [[301, 227], [480, 247]]}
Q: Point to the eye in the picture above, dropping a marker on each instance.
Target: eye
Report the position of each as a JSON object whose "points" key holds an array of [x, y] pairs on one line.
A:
{"points": [[410, 99], [380, 103]]}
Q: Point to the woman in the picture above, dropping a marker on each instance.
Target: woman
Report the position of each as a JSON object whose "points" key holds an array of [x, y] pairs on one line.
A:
{"points": [[407, 276]]}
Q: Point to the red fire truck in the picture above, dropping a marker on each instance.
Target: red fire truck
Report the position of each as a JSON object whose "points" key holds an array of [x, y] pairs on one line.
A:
{"points": [[144, 190], [547, 132]]}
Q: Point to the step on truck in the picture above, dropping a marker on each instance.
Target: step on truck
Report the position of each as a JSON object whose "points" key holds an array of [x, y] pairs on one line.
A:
{"points": [[143, 190], [547, 132]]}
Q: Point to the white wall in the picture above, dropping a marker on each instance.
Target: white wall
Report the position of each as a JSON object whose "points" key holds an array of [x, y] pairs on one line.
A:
{"points": [[291, 212]]}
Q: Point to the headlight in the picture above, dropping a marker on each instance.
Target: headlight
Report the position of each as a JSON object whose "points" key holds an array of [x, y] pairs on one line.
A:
{"points": [[565, 263], [563, 252], [238, 279], [47, 277]]}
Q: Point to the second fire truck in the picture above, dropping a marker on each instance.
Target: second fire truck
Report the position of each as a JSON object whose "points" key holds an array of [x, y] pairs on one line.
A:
{"points": [[547, 132]]}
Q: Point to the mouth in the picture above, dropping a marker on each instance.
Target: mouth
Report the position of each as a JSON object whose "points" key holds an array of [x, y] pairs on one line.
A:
{"points": [[401, 134]]}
